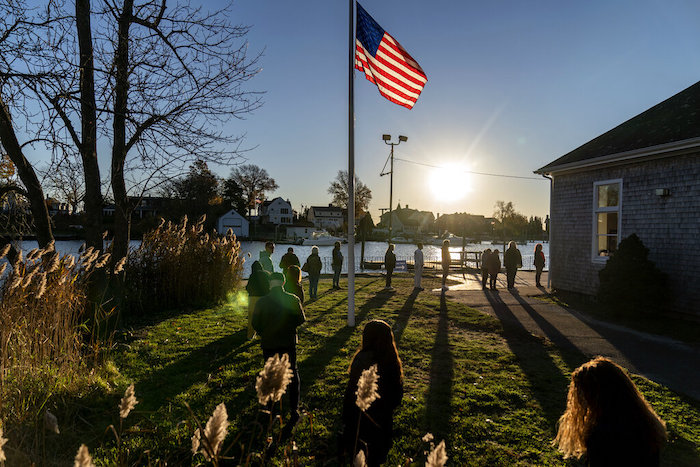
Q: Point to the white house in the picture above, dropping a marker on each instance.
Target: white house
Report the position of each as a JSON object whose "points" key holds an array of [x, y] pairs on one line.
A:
{"points": [[326, 217], [277, 212], [234, 221], [300, 230]]}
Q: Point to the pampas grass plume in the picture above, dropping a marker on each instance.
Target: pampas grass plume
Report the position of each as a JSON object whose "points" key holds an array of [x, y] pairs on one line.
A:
{"points": [[428, 437], [83, 458], [215, 431], [119, 267], [438, 456], [274, 378], [3, 440], [41, 287], [128, 402], [51, 422], [5, 250], [3, 266], [359, 460], [367, 388]]}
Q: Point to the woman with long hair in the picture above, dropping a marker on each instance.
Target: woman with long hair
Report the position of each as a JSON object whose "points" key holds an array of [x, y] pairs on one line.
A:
{"points": [[374, 435], [607, 419], [292, 283]]}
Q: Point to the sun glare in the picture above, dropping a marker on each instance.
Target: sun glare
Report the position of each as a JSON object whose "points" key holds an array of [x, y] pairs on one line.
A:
{"points": [[450, 183]]}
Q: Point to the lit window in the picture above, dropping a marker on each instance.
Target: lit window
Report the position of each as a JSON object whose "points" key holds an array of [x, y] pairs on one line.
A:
{"points": [[607, 197]]}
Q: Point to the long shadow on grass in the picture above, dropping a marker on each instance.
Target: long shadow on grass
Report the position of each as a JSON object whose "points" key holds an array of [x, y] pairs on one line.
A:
{"points": [[178, 376], [404, 315], [438, 410], [311, 367], [331, 308], [548, 384]]}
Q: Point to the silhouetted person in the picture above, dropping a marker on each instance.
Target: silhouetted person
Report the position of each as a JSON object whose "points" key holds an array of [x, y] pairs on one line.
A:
{"points": [[292, 282], [337, 264], [276, 318], [485, 267], [539, 264], [389, 265], [258, 286], [494, 267], [313, 267], [446, 260], [376, 424], [288, 259], [265, 257], [607, 420], [418, 266], [512, 260]]}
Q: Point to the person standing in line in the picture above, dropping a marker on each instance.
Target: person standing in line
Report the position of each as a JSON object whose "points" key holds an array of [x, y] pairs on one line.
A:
{"points": [[539, 264], [512, 260], [288, 259], [265, 257], [446, 260], [485, 267], [313, 267], [494, 268], [337, 264], [607, 420], [276, 318], [389, 265], [258, 286], [418, 267], [292, 282], [375, 431]]}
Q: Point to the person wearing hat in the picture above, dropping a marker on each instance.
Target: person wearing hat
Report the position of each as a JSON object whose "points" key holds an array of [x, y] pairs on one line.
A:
{"points": [[276, 318]]}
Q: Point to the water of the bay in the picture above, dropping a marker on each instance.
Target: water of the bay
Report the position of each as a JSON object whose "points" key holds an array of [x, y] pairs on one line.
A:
{"points": [[374, 251]]}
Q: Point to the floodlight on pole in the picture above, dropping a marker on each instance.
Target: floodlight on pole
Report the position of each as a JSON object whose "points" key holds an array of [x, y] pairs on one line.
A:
{"points": [[387, 140]]}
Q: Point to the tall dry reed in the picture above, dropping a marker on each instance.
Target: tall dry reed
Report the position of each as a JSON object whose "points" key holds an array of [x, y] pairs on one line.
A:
{"points": [[181, 264]]}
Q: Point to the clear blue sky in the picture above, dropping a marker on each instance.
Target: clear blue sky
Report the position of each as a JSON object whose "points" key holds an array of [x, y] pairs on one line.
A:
{"points": [[511, 86]]}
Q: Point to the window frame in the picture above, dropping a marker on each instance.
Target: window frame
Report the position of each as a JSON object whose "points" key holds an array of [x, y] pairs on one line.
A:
{"points": [[595, 257]]}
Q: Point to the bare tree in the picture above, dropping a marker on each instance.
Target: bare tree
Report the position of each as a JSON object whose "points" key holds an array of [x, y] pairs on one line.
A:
{"points": [[339, 189], [166, 76], [255, 183], [65, 181]]}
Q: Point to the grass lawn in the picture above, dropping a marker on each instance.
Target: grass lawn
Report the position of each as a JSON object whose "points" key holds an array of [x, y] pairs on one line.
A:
{"points": [[493, 394]]}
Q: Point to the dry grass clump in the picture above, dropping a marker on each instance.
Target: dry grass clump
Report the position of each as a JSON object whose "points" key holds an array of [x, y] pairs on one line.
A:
{"points": [[180, 264], [42, 299]]}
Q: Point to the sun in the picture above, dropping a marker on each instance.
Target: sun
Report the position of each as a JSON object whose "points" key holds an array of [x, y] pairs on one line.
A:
{"points": [[449, 183]]}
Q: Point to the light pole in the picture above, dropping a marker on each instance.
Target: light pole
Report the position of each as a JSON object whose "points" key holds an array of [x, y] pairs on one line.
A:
{"points": [[387, 140]]}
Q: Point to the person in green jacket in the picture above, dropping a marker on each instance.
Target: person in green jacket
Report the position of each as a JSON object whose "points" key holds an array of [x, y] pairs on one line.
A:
{"points": [[276, 318], [389, 265], [265, 257], [258, 286]]}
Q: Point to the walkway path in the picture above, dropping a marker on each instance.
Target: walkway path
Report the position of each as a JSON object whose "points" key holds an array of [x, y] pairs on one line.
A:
{"points": [[672, 363]]}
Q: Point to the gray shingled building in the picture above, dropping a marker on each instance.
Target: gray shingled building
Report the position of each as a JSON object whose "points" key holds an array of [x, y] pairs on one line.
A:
{"points": [[641, 177]]}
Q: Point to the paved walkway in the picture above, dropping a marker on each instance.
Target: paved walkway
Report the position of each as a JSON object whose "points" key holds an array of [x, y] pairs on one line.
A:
{"points": [[672, 363]]}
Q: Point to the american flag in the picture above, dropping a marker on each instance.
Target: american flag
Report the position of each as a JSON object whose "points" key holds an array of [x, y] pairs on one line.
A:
{"points": [[385, 63]]}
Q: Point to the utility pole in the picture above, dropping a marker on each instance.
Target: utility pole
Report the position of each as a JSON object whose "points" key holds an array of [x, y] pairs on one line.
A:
{"points": [[387, 140]]}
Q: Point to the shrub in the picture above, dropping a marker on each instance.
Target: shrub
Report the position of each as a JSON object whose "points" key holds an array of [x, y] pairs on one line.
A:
{"points": [[179, 265], [630, 282]]}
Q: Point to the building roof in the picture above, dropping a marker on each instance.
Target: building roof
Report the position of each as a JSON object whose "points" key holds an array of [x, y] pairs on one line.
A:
{"points": [[673, 120], [327, 208]]}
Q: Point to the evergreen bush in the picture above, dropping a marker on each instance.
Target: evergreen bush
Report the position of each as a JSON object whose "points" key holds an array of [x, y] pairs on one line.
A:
{"points": [[630, 282]]}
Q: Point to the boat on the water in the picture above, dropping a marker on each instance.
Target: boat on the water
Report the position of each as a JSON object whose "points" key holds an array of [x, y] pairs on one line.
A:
{"points": [[322, 238]]}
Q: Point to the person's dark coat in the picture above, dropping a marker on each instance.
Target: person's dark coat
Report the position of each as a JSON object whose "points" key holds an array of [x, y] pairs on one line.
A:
{"points": [[337, 258], [612, 443], [389, 260], [289, 259], [313, 265], [276, 318], [494, 264], [512, 259], [539, 259], [259, 281], [295, 288], [377, 437]]}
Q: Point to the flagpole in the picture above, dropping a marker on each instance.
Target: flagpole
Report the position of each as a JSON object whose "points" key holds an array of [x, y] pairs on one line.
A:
{"points": [[351, 169]]}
